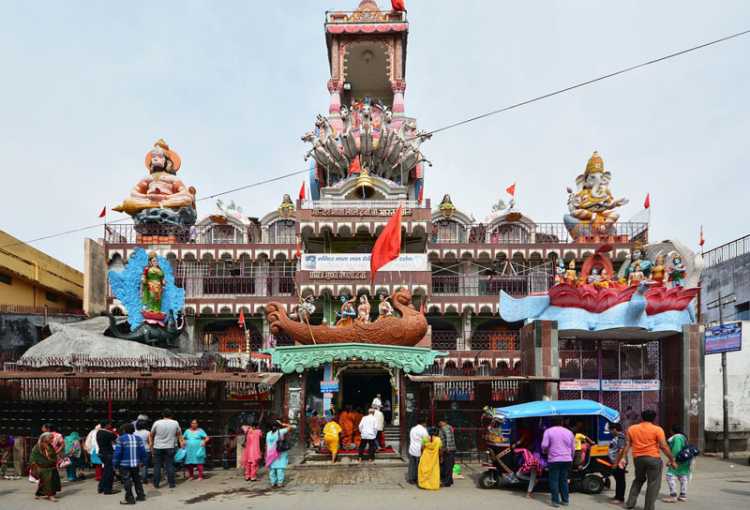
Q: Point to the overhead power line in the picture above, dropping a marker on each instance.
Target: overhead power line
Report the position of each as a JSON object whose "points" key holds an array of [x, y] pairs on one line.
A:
{"points": [[447, 126]]}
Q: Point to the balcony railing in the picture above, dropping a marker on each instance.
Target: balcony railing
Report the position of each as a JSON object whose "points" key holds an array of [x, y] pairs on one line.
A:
{"points": [[539, 233], [728, 251], [203, 286], [498, 340], [40, 310], [517, 286], [360, 205], [197, 234], [339, 17]]}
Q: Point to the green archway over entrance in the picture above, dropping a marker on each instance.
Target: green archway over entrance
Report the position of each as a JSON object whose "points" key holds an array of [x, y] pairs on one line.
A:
{"points": [[298, 358]]}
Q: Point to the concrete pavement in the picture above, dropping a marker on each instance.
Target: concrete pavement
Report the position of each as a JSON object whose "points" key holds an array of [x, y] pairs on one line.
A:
{"points": [[716, 484]]}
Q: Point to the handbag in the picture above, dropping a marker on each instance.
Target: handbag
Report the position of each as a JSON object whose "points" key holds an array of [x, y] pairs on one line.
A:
{"points": [[282, 445], [179, 456]]}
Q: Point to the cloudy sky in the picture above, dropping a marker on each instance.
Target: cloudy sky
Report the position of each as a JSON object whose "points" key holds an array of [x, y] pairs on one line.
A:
{"points": [[87, 87]]}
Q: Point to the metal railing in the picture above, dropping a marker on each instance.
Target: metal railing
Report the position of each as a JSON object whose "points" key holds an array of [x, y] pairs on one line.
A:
{"points": [[344, 17], [361, 206], [539, 233], [40, 310], [460, 285], [727, 251], [200, 286], [87, 363], [197, 234], [498, 340]]}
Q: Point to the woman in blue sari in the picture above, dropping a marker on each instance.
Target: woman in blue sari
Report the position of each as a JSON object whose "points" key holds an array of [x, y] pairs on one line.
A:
{"points": [[194, 442], [277, 461]]}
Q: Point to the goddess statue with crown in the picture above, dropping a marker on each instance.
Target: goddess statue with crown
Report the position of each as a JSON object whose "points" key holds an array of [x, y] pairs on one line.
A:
{"points": [[592, 206]]}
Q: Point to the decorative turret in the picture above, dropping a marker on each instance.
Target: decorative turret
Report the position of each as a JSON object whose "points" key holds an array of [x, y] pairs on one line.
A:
{"points": [[366, 129]]}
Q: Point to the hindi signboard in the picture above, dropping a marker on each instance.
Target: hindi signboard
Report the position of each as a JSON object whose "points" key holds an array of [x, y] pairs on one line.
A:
{"points": [[724, 338], [631, 385], [580, 385], [329, 386], [355, 262]]}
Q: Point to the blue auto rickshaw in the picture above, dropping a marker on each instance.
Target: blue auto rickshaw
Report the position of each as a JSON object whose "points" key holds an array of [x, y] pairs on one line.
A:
{"points": [[522, 426]]}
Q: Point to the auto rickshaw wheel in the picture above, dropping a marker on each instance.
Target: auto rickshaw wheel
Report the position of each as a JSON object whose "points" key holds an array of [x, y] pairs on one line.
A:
{"points": [[487, 480], [592, 484]]}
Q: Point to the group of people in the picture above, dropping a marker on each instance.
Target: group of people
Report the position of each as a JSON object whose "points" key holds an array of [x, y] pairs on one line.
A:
{"points": [[432, 455], [565, 450], [349, 429], [646, 441], [128, 450], [276, 457]]}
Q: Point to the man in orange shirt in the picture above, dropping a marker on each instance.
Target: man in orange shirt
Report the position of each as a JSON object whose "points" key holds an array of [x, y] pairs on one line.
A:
{"points": [[645, 439]]}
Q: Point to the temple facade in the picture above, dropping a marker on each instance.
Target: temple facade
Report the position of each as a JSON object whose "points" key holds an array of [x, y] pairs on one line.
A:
{"points": [[514, 308]]}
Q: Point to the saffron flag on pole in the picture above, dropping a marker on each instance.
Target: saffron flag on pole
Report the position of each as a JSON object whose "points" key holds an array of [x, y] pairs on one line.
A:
{"points": [[241, 320], [302, 192], [701, 240], [511, 190], [104, 212], [647, 202], [387, 246]]}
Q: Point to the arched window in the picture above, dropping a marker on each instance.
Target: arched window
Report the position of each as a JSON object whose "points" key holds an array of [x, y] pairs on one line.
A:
{"points": [[282, 232], [446, 231], [510, 233]]}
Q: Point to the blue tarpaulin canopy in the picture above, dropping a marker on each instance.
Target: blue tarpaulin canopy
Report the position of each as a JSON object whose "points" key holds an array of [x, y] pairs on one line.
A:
{"points": [[546, 408]]}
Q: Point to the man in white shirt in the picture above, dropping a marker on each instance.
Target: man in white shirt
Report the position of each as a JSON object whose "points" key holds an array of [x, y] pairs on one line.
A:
{"points": [[368, 429], [376, 402], [165, 434], [416, 435], [380, 426]]}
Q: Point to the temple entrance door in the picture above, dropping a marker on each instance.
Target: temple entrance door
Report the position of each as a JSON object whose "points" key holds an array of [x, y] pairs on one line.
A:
{"points": [[360, 385]]}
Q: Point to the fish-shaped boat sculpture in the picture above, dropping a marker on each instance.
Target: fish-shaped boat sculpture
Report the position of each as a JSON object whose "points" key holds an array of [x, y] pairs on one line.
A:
{"points": [[405, 330]]}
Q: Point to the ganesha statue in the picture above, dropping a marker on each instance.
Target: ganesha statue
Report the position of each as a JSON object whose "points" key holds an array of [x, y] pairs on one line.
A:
{"points": [[592, 206], [161, 198]]}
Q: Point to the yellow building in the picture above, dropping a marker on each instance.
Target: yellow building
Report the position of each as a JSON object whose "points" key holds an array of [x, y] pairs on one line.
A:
{"points": [[33, 282]]}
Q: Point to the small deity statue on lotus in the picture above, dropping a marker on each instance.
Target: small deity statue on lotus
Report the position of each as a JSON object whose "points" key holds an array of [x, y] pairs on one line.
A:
{"points": [[287, 206], [658, 271], [604, 280], [636, 275], [571, 276], [363, 309], [152, 285], [594, 277], [677, 271], [446, 206], [161, 188]]}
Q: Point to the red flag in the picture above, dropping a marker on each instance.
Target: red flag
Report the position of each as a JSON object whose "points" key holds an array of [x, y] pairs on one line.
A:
{"points": [[398, 5], [302, 192], [511, 190], [241, 321], [355, 167], [388, 245], [647, 202], [701, 240], [421, 195], [104, 212]]}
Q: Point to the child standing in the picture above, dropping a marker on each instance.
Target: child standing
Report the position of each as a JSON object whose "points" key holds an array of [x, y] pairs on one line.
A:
{"points": [[681, 473]]}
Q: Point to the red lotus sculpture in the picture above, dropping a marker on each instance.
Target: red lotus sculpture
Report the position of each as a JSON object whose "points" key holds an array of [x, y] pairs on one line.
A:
{"points": [[598, 300]]}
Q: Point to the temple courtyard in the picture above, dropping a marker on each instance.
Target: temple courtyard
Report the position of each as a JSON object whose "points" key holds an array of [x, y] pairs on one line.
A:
{"points": [[716, 484]]}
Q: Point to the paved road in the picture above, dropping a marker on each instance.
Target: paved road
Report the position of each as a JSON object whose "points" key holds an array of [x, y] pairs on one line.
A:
{"points": [[716, 484]]}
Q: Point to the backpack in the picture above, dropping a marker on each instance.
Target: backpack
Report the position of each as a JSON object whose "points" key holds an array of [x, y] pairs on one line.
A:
{"points": [[688, 453]]}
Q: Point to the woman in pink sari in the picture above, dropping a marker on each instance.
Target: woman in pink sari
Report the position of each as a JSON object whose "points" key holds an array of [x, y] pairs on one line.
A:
{"points": [[251, 456]]}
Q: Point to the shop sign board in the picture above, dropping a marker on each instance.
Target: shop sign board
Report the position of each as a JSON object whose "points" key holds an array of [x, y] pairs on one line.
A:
{"points": [[355, 262], [329, 386], [724, 338], [631, 385], [580, 385]]}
